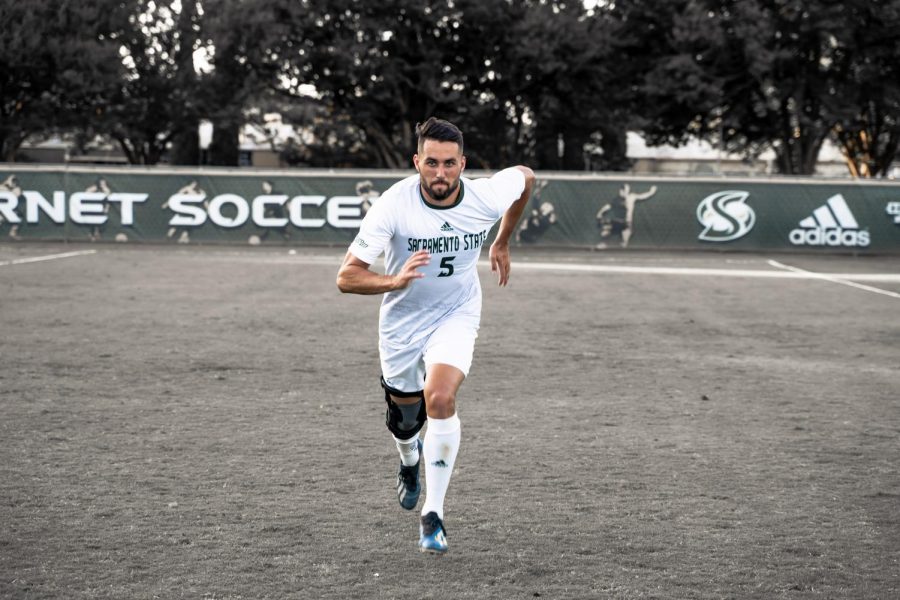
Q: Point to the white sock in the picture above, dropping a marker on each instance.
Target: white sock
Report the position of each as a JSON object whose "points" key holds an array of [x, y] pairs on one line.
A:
{"points": [[409, 450], [441, 447]]}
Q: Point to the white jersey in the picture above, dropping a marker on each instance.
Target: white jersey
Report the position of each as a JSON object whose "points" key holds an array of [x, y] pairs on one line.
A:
{"points": [[401, 222]]}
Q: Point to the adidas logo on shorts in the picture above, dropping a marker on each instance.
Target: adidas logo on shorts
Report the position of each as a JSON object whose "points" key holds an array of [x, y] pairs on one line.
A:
{"points": [[446, 226], [832, 224]]}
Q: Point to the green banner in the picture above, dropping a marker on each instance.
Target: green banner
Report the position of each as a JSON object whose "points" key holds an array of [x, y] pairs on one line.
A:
{"points": [[316, 207], [182, 206], [739, 214]]}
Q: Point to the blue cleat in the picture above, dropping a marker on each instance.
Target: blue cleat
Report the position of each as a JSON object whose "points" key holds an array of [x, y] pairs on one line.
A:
{"points": [[432, 536], [408, 487]]}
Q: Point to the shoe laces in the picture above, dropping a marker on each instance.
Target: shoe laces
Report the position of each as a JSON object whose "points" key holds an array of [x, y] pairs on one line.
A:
{"points": [[408, 474]]}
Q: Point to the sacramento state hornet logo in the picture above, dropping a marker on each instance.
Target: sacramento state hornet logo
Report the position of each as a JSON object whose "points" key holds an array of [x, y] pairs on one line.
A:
{"points": [[725, 216]]}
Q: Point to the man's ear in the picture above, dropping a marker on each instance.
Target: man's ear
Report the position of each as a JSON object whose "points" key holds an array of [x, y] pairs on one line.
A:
{"points": [[416, 161], [462, 163]]}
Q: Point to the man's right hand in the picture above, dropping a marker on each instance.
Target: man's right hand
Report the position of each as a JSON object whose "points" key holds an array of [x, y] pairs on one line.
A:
{"points": [[409, 271]]}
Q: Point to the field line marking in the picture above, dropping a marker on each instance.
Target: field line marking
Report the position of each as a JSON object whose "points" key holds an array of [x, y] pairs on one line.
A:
{"points": [[33, 259], [833, 279], [322, 259], [543, 266]]}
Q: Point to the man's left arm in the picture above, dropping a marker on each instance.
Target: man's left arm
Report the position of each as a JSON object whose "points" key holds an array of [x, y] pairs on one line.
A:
{"points": [[499, 252]]}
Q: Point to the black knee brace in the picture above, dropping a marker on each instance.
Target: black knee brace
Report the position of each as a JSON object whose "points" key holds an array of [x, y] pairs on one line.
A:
{"points": [[404, 421]]}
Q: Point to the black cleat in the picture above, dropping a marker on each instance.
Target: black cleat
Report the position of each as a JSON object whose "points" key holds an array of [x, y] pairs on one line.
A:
{"points": [[432, 535], [408, 487]]}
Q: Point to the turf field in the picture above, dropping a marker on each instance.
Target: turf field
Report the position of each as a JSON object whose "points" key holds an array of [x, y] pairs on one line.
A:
{"points": [[207, 423]]}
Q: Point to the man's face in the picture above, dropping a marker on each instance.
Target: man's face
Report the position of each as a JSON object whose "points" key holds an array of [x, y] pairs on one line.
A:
{"points": [[440, 165]]}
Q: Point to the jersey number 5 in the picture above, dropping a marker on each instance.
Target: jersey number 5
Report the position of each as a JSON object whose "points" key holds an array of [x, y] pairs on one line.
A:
{"points": [[446, 266]]}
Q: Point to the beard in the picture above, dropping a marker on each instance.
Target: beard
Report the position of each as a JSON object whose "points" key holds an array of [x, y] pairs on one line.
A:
{"points": [[440, 195]]}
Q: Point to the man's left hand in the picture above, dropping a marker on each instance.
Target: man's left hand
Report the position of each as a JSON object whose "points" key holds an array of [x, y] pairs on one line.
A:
{"points": [[500, 264]]}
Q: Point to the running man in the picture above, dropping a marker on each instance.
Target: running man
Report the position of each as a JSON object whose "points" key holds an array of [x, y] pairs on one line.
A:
{"points": [[431, 228]]}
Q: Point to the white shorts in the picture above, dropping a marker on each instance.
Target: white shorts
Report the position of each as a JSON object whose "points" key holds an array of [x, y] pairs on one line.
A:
{"points": [[451, 343]]}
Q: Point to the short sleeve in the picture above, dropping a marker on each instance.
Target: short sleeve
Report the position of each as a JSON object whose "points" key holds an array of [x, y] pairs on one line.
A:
{"points": [[507, 187], [374, 234]]}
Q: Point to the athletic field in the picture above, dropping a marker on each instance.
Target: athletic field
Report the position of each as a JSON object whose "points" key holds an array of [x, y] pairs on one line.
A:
{"points": [[206, 422]]}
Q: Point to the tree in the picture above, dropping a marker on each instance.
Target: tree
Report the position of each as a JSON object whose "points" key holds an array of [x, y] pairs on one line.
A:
{"points": [[386, 66], [788, 100], [236, 33], [568, 62], [782, 74], [273, 44], [867, 123], [736, 73], [513, 74], [657, 70], [183, 144], [158, 97], [56, 62]]}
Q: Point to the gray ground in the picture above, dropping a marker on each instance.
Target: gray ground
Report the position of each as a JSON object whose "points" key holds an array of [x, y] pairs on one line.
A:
{"points": [[207, 423]]}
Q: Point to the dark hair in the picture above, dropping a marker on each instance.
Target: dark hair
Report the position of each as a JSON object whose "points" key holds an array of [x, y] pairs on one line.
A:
{"points": [[440, 130]]}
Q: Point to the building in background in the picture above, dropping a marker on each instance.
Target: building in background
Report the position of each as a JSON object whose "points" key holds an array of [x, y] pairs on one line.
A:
{"points": [[262, 146]]}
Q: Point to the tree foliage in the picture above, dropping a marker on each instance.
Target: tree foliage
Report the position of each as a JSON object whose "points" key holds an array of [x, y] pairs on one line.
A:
{"points": [[158, 96], [55, 62], [867, 54], [376, 67], [778, 74], [547, 82]]}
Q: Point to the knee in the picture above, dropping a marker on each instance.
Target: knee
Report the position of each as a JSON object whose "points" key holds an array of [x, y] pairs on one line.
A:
{"points": [[440, 401], [404, 418]]}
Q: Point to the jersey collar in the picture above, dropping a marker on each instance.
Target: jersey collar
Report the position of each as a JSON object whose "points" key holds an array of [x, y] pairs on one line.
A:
{"points": [[462, 191]]}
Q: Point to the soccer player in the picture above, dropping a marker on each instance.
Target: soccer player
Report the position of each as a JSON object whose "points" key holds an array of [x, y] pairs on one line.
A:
{"points": [[431, 228], [617, 217]]}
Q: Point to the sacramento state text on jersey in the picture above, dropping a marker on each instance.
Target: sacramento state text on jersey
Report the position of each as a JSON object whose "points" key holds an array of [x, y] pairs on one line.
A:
{"points": [[437, 245]]}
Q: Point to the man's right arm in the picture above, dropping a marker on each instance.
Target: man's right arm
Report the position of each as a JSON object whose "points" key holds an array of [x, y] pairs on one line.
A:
{"points": [[354, 276]]}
